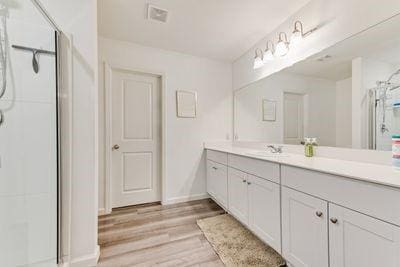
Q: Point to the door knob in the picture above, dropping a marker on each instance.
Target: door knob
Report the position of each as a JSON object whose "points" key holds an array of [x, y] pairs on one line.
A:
{"points": [[115, 147], [334, 220]]}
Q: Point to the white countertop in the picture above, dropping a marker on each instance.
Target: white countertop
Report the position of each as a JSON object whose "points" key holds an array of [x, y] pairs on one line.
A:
{"points": [[374, 173]]}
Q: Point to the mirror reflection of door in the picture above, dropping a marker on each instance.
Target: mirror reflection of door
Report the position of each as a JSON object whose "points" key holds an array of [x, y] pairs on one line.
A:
{"points": [[293, 118]]}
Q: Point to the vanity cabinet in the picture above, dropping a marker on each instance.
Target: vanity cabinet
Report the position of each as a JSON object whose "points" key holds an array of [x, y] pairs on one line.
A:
{"points": [[355, 239], [217, 182], [304, 229], [358, 240], [312, 218]]}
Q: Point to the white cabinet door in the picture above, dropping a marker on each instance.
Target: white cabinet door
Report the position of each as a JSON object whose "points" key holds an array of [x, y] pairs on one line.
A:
{"points": [[358, 240], [237, 195], [217, 184], [304, 229], [264, 211]]}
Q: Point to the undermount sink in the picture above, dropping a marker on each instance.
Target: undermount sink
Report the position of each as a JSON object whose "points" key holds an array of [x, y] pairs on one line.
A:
{"points": [[265, 154]]}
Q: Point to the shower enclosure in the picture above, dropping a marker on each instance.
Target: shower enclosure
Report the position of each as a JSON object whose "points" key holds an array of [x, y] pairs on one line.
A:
{"points": [[29, 172], [384, 112]]}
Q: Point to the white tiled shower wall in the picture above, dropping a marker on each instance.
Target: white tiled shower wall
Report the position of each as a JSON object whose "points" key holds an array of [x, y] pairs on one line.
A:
{"points": [[28, 170]]}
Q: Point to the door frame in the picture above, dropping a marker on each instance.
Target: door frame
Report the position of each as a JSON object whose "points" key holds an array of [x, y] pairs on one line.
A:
{"points": [[108, 68]]}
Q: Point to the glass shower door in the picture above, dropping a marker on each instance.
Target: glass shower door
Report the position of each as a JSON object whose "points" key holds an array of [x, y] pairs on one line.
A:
{"points": [[28, 137]]}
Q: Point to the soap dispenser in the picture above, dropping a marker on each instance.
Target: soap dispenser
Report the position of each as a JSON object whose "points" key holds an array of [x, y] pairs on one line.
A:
{"points": [[309, 146]]}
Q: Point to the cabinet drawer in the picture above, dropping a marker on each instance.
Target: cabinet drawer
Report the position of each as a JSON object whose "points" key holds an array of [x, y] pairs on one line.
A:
{"points": [[217, 156], [375, 200], [260, 168]]}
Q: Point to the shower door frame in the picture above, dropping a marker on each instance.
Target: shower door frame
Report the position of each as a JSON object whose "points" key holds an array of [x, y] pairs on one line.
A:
{"points": [[57, 36], [372, 105]]}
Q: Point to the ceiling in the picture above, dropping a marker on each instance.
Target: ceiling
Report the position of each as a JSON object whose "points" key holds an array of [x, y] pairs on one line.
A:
{"points": [[216, 29], [381, 43]]}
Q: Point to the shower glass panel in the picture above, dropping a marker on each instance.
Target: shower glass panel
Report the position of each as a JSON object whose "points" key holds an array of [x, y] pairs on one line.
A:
{"points": [[28, 137]]}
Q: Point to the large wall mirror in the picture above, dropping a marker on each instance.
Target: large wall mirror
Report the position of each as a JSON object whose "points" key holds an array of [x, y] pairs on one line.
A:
{"points": [[346, 96]]}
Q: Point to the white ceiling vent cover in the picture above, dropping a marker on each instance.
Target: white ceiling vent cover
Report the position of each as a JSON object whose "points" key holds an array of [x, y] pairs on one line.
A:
{"points": [[156, 13]]}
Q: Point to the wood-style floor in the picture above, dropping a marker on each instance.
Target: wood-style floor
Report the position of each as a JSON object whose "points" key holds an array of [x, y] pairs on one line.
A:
{"points": [[155, 235]]}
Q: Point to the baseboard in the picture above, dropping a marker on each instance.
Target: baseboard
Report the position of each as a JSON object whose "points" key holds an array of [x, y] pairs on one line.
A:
{"points": [[102, 211], [175, 200], [86, 260]]}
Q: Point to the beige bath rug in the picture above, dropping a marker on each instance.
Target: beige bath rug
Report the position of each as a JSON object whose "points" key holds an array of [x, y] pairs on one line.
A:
{"points": [[237, 246]]}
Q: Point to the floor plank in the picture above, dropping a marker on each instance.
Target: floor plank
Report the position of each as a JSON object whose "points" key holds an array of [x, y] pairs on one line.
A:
{"points": [[156, 235]]}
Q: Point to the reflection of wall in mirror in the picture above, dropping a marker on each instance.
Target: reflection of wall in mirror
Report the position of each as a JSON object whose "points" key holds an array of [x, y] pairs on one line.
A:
{"points": [[320, 118], [343, 113]]}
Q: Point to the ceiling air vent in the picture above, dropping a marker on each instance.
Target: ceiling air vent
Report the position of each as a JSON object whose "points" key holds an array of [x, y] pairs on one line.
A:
{"points": [[156, 13]]}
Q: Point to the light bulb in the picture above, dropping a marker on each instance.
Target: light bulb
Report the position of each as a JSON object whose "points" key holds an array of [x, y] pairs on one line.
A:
{"points": [[258, 62], [268, 55], [296, 37], [281, 48]]}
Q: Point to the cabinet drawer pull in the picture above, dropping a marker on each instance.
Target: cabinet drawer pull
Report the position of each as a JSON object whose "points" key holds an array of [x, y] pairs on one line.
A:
{"points": [[334, 220], [215, 168], [318, 213]]}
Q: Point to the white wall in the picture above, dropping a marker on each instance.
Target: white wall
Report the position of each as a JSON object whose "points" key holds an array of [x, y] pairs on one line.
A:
{"points": [[319, 110], [338, 20], [78, 19], [343, 113], [212, 80]]}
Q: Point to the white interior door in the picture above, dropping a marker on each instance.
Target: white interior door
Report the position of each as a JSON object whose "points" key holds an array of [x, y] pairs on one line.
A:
{"points": [[293, 112], [135, 138]]}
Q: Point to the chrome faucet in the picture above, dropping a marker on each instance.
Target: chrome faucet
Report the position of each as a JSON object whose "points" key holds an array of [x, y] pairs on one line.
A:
{"points": [[275, 149]]}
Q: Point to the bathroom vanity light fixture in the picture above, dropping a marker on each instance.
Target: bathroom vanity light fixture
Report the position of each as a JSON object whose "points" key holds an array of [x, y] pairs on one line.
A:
{"points": [[282, 47], [258, 59], [269, 52], [297, 34]]}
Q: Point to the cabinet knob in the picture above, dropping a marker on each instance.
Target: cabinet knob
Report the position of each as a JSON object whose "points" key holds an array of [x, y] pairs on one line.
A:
{"points": [[244, 181], [248, 183], [318, 213], [334, 220], [215, 168], [116, 147]]}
